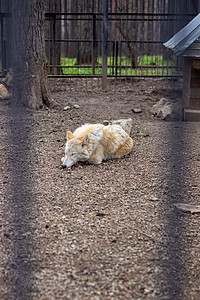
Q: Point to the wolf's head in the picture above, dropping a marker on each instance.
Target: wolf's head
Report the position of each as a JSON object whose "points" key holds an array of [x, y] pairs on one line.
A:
{"points": [[75, 150]]}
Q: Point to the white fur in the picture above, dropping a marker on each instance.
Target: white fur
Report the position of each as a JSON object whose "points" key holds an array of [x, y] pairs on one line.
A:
{"points": [[95, 143]]}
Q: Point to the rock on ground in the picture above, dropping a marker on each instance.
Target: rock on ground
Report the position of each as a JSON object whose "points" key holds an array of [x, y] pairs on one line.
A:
{"points": [[167, 109]]}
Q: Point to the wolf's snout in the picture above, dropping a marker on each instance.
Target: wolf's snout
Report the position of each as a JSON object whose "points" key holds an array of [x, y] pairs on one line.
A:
{"points": [[64, 166]]}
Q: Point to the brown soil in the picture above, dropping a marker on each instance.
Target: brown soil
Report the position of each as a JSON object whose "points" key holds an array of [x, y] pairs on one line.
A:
{"points": [[110, 231]]}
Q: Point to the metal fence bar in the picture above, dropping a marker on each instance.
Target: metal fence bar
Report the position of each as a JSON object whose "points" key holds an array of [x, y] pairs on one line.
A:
{"points": [[93, 43], [8, 36], [104, 43], [54, 45], [5, 27], [2, 45]]}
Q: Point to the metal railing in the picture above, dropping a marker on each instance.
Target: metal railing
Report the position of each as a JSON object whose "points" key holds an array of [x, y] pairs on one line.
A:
{"points": [[130, 45], [112, 38]]}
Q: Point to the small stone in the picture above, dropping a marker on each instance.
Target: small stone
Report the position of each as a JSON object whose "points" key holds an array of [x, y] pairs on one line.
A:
{"points": [[76, 106], [126, 124], [7, 235], [66, 107], [137, 110], [154, 199], [106, 122], [148, 290], [100, 214]]}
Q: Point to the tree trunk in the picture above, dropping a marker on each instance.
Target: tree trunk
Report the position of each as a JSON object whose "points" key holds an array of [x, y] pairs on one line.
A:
{"points": [[30, 86]]}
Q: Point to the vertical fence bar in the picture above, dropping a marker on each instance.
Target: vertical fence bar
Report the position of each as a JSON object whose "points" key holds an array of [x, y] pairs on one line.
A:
{"points": [[2, 46], [8, 35], [93, 43], [136, 48], [113, 58], [110, 39], [115, 38], [104, 43], [116, 57], [54, 45], [1, 42]]}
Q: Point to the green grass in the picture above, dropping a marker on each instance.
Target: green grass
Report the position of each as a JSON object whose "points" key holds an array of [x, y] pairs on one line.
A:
{"points": [[146, 66]]}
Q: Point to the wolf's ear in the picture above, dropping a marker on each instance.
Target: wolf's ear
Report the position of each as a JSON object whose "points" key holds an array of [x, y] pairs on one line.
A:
{"points": [[84, 142], [69, 135]]}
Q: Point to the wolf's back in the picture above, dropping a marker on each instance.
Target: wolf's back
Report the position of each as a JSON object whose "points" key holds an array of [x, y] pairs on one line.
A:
{"points": [[88, 129], [115, 141]]}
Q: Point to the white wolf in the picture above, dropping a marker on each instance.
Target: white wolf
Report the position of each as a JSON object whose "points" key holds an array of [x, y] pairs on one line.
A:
{"points": [[95, 143]]}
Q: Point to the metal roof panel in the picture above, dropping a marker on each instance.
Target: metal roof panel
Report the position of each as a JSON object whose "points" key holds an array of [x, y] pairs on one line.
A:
{"points": [[185, 37]]}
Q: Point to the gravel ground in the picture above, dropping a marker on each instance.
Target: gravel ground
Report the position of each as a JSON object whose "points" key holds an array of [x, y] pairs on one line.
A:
{"points": [[108, 231]]}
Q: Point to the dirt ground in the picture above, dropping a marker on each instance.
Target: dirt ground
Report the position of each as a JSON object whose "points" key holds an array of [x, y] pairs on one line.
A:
{"points": [[109, 231]]}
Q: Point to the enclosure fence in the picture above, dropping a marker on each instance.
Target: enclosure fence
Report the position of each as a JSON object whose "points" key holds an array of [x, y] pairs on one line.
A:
{"points": [[108, 38], [113, 38]]}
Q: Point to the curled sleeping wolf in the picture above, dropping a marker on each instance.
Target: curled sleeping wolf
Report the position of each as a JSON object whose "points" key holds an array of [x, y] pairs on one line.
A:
{"points": [[94, 143]]}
